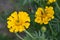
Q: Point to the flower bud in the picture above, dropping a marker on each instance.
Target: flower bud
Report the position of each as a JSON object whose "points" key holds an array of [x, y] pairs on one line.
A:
{"points": [[43, 29]]}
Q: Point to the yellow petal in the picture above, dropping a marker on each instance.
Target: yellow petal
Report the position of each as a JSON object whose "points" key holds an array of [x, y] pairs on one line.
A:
{"points": [[27, 25], [14, 15]]}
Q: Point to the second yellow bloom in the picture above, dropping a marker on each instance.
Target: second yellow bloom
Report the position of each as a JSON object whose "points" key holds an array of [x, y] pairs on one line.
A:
{"points": [[43, 16]]}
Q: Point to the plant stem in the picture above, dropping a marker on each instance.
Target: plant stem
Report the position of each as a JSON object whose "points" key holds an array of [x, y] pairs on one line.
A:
{"points": [[19, 36], [57, 5], [29, 34], [51, 29]]}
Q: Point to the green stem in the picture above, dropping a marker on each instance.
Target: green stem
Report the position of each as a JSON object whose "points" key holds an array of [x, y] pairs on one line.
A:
{"points": [[53, 33], [57, 5], [51, 29], [19, 36], [43, 34], [29, 34]]}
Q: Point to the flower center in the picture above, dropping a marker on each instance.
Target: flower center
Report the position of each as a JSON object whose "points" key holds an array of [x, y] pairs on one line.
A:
{"points": [[43, 15], [18, 23]]}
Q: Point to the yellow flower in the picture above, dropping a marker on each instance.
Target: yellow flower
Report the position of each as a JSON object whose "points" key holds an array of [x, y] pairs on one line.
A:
{"points": [[51, 1], [44, 15], [18, 22]]}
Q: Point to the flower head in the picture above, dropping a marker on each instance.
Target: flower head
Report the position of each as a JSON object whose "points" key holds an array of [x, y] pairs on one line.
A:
{"points": [[51, 1], [18, 22], [44, 15]]}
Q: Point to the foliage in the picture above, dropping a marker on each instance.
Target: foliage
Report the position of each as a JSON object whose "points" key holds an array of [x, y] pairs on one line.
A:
{"points": [[37, 36]]}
